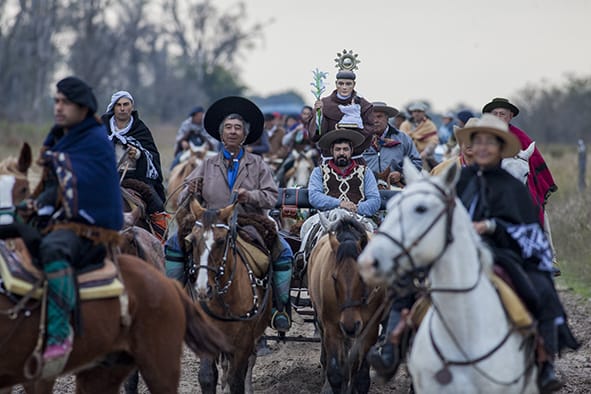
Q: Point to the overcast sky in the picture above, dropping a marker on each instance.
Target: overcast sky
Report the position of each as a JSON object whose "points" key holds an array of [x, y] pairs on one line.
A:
{"points": [[446, 51]]}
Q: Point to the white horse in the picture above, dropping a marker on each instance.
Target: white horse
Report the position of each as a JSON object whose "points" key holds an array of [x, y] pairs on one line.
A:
{"points": [[465, 343], [303, 165], [518, 166]]}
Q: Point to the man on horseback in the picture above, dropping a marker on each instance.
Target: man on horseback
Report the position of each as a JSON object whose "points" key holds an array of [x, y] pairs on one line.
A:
{"points": [[192, 132], [389, 146], [78, 203], [540, 181], [341, 182], [505, 217], [236, 122], [137, 154]]}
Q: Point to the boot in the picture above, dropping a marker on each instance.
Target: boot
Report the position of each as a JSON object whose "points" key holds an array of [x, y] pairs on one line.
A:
{"points": [[282, 270], [385, 359], [548, 382], [61, 298], [159, 221]]}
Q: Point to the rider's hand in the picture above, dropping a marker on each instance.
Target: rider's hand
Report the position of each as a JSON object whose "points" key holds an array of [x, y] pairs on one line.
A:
{"points": [[192, 186], [184, 145], [132, 151], [349, 206], [394, 177], [242, 195]]}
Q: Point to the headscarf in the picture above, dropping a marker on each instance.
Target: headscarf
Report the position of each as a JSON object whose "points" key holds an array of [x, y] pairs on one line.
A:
{"points": [[116, 96]]}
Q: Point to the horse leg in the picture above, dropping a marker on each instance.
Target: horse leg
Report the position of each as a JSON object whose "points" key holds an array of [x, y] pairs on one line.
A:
{"points": [[361, 379], [104, 380], [238, 368], [334, 367], [208, 375], [249, 389]]}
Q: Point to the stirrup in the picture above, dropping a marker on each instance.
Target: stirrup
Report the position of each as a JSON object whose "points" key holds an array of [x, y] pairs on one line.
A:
{"points": [[278, 314]]}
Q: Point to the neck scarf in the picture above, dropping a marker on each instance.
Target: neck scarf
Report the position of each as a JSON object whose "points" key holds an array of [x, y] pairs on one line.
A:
{"points": [[342, 172], [119, 133], [233, 164], [379, 142]]}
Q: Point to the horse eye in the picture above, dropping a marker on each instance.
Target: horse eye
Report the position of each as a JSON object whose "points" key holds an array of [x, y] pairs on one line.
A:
{"points": [[421, 209]]}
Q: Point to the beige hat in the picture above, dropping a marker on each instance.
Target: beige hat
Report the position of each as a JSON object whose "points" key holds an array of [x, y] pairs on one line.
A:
{"points": [[380, 106], [493, 125]]}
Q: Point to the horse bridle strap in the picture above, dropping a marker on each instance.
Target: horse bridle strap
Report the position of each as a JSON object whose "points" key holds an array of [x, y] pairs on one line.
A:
{"points": [[468, 361]]}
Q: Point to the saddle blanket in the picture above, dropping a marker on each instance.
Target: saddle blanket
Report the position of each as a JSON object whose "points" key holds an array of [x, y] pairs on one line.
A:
{"points": [[19, 274]]}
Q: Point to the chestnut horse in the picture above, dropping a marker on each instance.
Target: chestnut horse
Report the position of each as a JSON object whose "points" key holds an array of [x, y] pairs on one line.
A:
{"points": [[348, 311], [144, 329], [228, 290]]}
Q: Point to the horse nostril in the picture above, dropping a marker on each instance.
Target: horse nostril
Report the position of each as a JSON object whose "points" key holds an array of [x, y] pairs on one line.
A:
{"points": [[375, 264]]}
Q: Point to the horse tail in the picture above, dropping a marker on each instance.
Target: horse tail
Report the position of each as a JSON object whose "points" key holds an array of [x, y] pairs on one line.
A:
{"points": [[201, 336]]}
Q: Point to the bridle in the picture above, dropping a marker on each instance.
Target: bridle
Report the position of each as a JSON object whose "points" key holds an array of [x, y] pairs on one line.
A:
{"points": [[417, 274], [221, 287], [418, 277]]}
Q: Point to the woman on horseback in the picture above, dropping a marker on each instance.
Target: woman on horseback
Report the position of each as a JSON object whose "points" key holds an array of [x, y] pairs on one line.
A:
{"points": [[505, 217]]}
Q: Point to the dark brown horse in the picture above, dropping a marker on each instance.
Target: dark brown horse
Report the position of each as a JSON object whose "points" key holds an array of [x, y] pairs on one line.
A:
{"points": [[228, 290], [106, 351], [348, 311]]}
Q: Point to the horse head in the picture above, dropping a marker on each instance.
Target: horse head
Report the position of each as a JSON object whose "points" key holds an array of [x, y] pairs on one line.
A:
{"points": [[19, 168], [209, 238], [518, 166], [347, 237], [302, 168], [415, 232]]}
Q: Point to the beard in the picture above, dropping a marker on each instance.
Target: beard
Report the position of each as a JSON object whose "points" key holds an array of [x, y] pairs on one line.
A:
{"points": [[342, 161]]}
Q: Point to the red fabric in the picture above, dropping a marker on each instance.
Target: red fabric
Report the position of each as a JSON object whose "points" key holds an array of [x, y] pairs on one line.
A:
{"points": [[345, 172], [539, 181]]}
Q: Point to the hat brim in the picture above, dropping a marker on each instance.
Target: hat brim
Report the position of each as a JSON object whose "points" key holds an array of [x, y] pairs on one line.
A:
{"points": [[511, 147], [500, 104], [219, 110], [353, 135], [390, 111]]}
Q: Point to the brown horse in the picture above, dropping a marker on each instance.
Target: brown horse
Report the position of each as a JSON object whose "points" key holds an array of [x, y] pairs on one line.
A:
{"points": [[139, 242], [19, 167], [106, 351], [227, 289], [348, 311]]}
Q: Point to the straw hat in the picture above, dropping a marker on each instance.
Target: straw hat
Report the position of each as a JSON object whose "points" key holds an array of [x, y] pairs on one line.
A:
{"points": [[490, 124]]}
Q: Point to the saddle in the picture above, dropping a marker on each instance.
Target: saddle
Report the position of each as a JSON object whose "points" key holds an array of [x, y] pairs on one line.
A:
{"points": [[21, 277], [257, 236]]}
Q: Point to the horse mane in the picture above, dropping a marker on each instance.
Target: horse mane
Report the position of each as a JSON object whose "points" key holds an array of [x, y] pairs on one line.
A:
{"points": [[142, 189], [352, 237]]}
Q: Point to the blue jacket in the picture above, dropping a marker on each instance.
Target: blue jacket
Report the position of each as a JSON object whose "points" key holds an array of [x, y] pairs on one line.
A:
{"points": [[83, 161]]}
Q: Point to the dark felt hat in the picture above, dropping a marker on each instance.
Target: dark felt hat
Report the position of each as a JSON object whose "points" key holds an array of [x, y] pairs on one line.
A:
{"points": [[218, 111], [77, 91], [380, 106], [500, 102], [350, 133]]}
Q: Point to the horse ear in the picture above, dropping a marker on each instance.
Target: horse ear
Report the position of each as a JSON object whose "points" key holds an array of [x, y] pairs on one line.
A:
{"points": [[411, 174], [196, 208], [226, 212], [25, 158], [450, 175], [323, 221], [529, 150]]}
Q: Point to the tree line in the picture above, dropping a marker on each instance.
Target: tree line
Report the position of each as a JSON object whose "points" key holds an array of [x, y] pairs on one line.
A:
{"points": [[172, 54]]}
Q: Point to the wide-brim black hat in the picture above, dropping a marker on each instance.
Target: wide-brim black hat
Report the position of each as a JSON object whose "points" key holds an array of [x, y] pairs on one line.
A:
{"points": [[218, 111], [500, 102], [352, 134]]}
